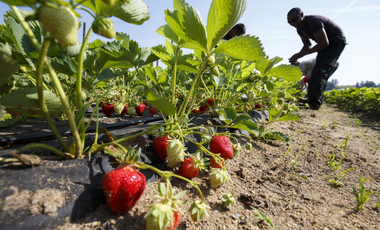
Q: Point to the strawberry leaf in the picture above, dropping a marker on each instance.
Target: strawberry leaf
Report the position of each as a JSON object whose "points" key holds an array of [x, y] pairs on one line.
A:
{"points": [[242, 47], [222, 16], [161, 103], [187, 23]]}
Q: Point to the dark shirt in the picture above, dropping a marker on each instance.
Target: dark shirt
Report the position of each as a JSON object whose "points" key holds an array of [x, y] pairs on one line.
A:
{"points": [[314, 23]]}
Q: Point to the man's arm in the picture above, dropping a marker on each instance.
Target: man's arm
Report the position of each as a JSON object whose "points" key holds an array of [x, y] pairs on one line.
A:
{"points": [[322, 42]]}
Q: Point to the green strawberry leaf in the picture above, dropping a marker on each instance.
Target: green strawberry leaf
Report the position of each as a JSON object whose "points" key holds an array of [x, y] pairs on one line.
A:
{"points": [[247, 125], [187, 23], [105, 75], [20, 2], [161, 103], [242, 47], [276, 136], [228, 115], [222, 16], [286, 72], [287, 117], [64, 64]]}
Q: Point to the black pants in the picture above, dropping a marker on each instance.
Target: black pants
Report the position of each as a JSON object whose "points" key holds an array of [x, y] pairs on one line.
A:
{"points": [[325, 66]]}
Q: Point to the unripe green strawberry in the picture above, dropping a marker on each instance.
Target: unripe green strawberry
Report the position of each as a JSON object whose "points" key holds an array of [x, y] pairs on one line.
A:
{"points": [[131, 111], [215, 71], [199, 95], [60, 22], [22, 69], [104, 27], [198, 210], [175, 152], [162, 216], [211, 60], [118, 107], [218, 177], [251, 95]]}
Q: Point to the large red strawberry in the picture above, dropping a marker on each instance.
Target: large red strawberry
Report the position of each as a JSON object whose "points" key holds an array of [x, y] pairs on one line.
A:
{"points": [[152, 111], [188, 168], [159, 144], [108, 109], [258, 106], [140, 109], [123, 187], [221, 144]]}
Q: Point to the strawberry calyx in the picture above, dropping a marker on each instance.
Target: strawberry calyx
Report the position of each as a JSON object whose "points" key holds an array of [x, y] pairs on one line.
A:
{"points": [[198, 210], [228, 200]]}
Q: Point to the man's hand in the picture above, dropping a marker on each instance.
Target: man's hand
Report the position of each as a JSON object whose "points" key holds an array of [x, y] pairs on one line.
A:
{"points": [[294, 58]]}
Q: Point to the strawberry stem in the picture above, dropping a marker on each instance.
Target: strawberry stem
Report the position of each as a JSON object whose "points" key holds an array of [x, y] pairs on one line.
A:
{"points": [[54, 79], [43, 146], [41, 100]]}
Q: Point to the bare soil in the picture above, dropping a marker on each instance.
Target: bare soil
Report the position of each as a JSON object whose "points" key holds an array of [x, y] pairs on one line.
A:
{"points": [[290, 188]]}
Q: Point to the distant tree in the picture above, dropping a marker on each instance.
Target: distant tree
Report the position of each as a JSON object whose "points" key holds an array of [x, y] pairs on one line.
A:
{"points": [[369, 84], [357, 85]]}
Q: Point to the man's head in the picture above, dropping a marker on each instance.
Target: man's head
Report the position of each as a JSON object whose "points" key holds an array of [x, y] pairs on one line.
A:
{"points": [[295, 17], [237, 30]]}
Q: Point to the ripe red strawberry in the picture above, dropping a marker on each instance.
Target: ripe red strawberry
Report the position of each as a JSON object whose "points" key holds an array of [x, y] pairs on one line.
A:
{"points": [[152, 111], [188, 168], [203, 108], [123, 187], [159, 144], [107, 109], [214, 164], [197, 110], [258, 106], [210, 101], [125, 110], [222, 145], [140, 109]]}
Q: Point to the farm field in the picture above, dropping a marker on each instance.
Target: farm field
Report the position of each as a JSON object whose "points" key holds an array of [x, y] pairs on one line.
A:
{"points": [[97, 135], [293, 195]]}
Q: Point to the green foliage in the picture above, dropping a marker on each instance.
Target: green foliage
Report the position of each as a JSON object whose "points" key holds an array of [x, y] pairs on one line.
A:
{"points": [[355, 98]]}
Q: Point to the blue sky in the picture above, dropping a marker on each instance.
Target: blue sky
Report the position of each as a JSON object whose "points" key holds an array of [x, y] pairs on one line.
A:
{"points": [[267, 20]]}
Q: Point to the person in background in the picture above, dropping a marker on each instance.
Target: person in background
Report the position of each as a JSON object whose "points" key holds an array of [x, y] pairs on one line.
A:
{"points": [[237, 30], [330, 43], [306, 67]]}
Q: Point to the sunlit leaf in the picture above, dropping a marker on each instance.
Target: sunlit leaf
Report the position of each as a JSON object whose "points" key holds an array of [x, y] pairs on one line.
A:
{"points": [[222, 16], [243, 47]]}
